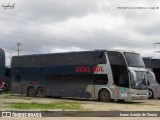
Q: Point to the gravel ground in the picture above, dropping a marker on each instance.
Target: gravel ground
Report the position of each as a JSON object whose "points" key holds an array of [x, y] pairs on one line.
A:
{"points": [[136, 105]]}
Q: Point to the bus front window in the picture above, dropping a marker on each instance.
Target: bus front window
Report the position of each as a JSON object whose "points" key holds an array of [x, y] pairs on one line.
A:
{"points": [[134, 60]]}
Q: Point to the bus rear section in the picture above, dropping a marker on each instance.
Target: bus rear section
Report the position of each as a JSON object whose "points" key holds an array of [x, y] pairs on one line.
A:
{"points": [[2, 69], [103, 75], [153, 63]]}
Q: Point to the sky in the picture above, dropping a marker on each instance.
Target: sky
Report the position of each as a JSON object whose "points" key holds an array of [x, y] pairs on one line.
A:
{"points": [[49, 26]]}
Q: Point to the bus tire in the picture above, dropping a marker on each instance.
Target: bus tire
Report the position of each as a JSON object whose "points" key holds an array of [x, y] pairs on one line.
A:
{"points": [[41, 92], [5, 88], [31, 92], [150, 94], [104, 95]]}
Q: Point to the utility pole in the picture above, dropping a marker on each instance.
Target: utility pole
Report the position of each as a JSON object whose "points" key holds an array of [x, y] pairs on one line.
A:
{"points": [[18, 47]]}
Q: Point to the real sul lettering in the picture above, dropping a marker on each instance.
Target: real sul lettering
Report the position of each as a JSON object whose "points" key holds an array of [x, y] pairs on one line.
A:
{"points": [[86, 69]]}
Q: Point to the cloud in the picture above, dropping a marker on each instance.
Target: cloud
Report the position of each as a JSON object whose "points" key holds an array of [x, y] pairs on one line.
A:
{"points": [[150, 30], [61, 25]]}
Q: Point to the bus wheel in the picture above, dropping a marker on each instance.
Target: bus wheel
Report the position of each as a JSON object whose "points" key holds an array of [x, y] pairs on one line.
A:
{"points": [[104, 95], [41, 92], [5, 88], [31, 92], [150, 94]]}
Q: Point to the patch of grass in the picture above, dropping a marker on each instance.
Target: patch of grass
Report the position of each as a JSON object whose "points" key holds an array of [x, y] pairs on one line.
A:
{"points": [[55, 105], [26, 98]]}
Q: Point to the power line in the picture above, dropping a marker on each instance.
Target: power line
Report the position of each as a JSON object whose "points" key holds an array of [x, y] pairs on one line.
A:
{"points": [[95, 34], [64, 41], [46, 22]]}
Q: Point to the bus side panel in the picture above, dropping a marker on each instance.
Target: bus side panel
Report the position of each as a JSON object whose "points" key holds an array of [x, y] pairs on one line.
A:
{"points": [[67, 82], [58, 81], [22, 78], [71, 85]]}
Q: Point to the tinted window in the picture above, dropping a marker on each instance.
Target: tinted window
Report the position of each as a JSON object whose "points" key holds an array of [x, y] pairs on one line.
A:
{"points": [[147, 62], [70, 79], [121, 79], [82, 58], [17, 78], [116, 58], [155, 63], [134, 60], [101, 79], [157, 74]]}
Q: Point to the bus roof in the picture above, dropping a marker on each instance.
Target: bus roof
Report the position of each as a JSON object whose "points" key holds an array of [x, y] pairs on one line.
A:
{"points": [[94, 51]]}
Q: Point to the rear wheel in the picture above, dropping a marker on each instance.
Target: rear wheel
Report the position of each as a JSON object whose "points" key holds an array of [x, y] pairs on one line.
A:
{"points": [[150, 94], [31, 92], [41, 92], [104, 95]]}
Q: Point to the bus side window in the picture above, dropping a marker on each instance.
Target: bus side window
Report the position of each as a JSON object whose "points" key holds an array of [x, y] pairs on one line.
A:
{"points": [[122, 81], [101, 79], [100, 59], [103, 59], [17, 78]]}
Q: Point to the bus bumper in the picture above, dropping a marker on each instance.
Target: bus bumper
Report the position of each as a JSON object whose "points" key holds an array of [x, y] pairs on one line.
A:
{"points": [[138, 94], [138, 97]]}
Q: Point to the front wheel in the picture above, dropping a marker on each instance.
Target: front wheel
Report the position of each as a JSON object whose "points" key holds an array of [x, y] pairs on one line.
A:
{"points": [[104, 95]]}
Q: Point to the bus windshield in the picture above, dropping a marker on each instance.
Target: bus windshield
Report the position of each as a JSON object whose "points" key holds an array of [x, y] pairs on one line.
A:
{"points": [[134, 60]]}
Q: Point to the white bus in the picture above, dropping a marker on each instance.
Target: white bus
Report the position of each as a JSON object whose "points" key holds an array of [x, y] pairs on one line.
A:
{"points": [[153, 63], [101, 74]]}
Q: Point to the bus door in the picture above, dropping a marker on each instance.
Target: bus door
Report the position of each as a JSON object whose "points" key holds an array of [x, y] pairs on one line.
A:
{"points": [[123, 83], [119, 73]]}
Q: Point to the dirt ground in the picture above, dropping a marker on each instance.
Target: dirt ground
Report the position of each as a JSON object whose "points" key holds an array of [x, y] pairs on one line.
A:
{"points": [[88, 105]]}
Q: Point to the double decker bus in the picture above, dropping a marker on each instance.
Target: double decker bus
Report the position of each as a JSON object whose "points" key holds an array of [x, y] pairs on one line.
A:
{"points": [[2, 69], [153, 63], [101, 74]]}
